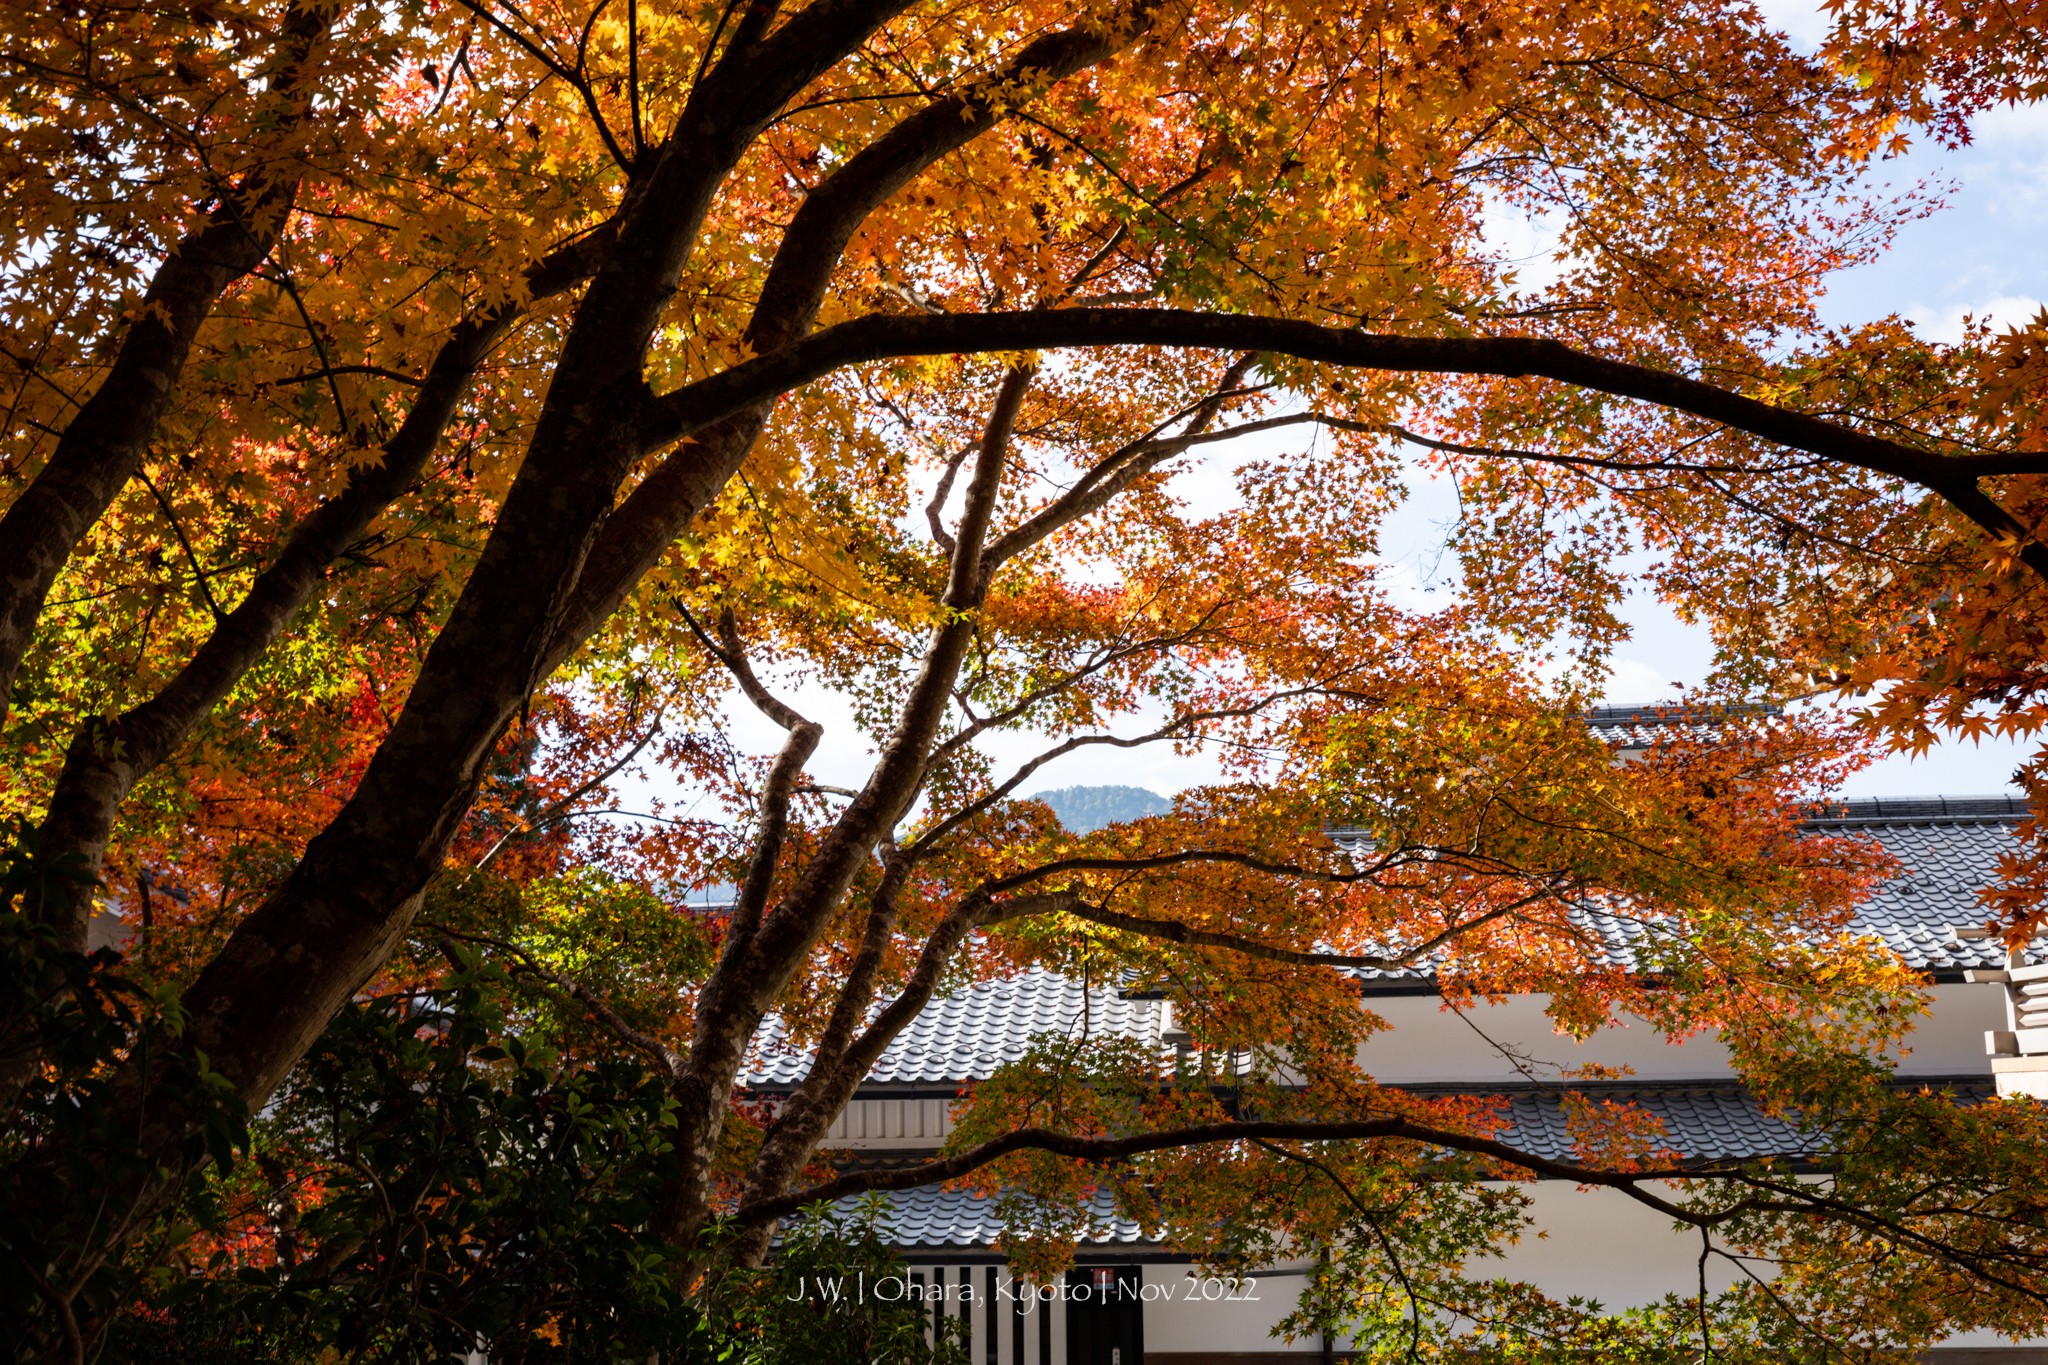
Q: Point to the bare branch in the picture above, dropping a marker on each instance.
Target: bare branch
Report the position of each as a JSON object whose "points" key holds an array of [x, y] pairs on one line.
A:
{"points": [[968, 580], [936, 506], [327, 373], [199, 575], [731, 651], [1120, 470], [975, 912], [867, 962], [1105, 658], [1105, 1150], [557, 809], [772, 828], [1174, 931], [572, 77], [929, 838]]}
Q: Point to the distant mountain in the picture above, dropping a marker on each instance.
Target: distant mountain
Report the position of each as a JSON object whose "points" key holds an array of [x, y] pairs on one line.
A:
{"points": [[1083, 809]]}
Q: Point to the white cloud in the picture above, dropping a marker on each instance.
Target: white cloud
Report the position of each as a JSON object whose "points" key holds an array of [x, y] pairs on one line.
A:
{"points": [[1528, 243], [1803, 21], [1946, 324], [2017, 125], [1632, 682]]}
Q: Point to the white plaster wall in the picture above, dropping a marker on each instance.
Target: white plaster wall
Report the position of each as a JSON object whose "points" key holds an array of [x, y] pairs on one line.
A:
{"points": [[1179, 1318], [1428, 1043], [1594, 1243], [1950, 1039], [1602, 1245], [1598, 1244]]}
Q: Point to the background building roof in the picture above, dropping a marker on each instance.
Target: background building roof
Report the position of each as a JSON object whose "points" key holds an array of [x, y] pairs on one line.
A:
{"points": [[1639, 727], [1949, 847], [968, 1034], [1701, 1122]]}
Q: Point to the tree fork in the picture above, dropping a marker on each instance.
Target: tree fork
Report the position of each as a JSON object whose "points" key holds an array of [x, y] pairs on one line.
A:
{"points": [[663, 504], [107, 758], [753, 971], [103, 445], [260, 1003]]}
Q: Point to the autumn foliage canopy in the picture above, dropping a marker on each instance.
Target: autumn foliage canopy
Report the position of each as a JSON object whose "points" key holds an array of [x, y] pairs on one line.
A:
{"points": [[432, 426]]}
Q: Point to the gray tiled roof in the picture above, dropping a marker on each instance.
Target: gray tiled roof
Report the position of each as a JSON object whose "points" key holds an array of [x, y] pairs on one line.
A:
{"points": [[1609, 941], [1948, 846], [1880, 811], [1701, 1122], [935, 1218], [973, 1031], [1639, 727]]}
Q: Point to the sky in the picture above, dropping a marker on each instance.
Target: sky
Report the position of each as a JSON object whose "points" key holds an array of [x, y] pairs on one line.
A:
{"points": [[1979, 254], [1976, 255]]}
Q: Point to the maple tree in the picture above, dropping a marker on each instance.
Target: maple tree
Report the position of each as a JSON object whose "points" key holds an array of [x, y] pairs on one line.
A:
{"points": [[422, 415]]}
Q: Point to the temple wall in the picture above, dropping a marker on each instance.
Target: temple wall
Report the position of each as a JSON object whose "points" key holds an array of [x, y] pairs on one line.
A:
{"points": [[1428, 1044]]}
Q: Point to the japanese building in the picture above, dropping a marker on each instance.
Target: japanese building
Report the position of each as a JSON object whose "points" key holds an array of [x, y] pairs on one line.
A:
{"points": [[1129, 1300]]}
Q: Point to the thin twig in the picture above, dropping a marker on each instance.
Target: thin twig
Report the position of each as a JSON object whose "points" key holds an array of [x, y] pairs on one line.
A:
{"points": [[198, 573], [589, 999], [560, 808]]}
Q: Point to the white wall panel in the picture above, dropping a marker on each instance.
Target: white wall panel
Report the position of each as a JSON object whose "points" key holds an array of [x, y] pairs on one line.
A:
{"points": [[887, 1123], [1430, 1044]]}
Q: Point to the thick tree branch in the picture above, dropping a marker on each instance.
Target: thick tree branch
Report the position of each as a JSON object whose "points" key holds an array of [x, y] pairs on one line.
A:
{"points": [[934, 509], [1112, 1149], [967, 579], [746, 982], [335, 918], [1778, 1197], [808, 1113], [731, 651], [677, 488], [338, 914], [884, 337], [859, 986], [771, 829], [977, 911], [106, 439], [107, 758], [836, 1073], [892, 785]]}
